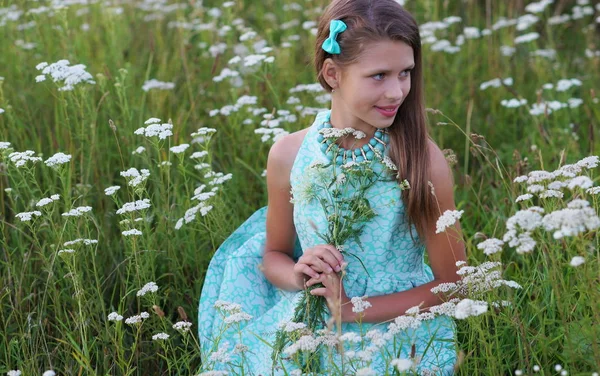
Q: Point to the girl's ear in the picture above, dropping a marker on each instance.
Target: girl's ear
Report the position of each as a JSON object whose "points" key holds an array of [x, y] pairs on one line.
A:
{"points": [[331, 73]]}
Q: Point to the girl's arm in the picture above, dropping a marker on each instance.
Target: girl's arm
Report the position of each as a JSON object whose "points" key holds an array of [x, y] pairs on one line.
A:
{"points": [[444, 250], [278, 263]]}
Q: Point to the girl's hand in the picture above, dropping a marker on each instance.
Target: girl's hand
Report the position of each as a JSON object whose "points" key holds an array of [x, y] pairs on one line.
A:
{"points": [[333, 291], [323, 258]]}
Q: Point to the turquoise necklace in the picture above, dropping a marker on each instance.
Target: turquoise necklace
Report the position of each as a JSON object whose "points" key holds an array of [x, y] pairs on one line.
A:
{"points": [[375, 146]]}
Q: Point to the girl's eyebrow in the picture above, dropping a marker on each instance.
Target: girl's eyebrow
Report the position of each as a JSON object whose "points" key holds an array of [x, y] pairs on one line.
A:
{"points": [[388, 71]]}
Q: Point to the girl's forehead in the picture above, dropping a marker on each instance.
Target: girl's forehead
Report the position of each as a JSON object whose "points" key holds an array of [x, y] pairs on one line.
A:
{"points": [[387, 54]]}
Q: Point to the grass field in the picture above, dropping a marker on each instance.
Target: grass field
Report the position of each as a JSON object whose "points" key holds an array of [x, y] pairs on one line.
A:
{"points": [[513, 87]]}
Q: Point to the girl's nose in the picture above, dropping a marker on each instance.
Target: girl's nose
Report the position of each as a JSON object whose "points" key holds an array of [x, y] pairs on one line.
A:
{"points": [[394, 91]]}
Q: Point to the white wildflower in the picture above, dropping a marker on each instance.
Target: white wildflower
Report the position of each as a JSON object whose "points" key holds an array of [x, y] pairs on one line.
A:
{"points": [[14, 372], [77, 212], [551, 193], [111, 190], [156, 84], [199, 154], [447, 219], [577, 260], [490, 246], [57, 160], [148, 287], [402, 365], [179, 149], [61, 71], [577, 218], [359, 305], [526, 196], [162, 131], [60, 252], [129, 207], [132, 232], [26, 216], [582, 182], [49, 373], [21, 158], [467, 307], [365, 372], [135, 177], [351, 337], [221, 355], [114, 316], [4, 145], [237, 317], [182, 326], [305, 343], [139, 150], [160, 336]]}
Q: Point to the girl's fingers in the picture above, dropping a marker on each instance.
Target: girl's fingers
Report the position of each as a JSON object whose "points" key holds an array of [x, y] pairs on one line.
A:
{"points": [[320, 291]]}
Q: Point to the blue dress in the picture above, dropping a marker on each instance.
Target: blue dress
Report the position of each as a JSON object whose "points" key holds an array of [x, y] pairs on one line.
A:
{"points": [[395, 263]]}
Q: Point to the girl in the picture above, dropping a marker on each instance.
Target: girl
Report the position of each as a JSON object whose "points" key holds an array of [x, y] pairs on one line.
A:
{"points": [[368, 55]]}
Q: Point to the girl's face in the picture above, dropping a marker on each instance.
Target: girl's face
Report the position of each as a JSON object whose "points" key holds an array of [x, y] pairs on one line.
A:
{"points": [[370, 91]]}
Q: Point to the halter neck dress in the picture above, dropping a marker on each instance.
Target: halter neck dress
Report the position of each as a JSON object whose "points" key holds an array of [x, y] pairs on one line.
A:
{"points": [[394, 263]]}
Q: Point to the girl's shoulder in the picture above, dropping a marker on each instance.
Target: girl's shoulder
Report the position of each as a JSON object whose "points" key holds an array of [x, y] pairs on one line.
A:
{"points": [[283, 153]]}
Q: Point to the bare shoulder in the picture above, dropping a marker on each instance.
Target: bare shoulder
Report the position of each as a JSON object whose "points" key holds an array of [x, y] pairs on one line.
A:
{"points": [[283, 153]]}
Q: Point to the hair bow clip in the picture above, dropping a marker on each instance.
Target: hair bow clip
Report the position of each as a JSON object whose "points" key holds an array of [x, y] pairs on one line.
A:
{"points": [[330, 44]]}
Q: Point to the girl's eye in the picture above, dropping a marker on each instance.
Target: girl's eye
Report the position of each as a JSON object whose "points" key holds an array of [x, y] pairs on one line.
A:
{"points": [[407, 72], [379, 74]]}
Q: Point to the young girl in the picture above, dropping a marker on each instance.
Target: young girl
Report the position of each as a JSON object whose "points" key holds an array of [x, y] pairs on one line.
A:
{"points": [[368, 55]]}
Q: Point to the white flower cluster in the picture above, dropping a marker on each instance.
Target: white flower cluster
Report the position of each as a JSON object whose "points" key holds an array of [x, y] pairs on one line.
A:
{"points": [[490, 246], [26, 216], [132, 232], [160, 336], [77, 212], [221, 355], [111, 190], [4, 145], [179, 148], [182, 326], [496, 82], [136, 319], [155, 129], [359, 305], [476, 279], [447, 219], [129, 207], [57, 160], [21, 158], [148, 287], [77, 241], [577, 218], [61, 71], [135, 177], [47, 200], [156, 84], [60, 252]]}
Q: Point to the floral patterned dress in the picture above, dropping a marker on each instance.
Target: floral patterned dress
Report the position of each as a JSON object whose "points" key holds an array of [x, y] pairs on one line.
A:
{"points": [[394, 263]]}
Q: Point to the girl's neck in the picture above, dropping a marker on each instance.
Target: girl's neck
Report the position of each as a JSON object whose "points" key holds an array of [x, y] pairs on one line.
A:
{"points": [[340, 118]]}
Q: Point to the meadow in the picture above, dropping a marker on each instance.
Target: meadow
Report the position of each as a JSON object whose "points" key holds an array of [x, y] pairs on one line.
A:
{"points": [[134, 137]]}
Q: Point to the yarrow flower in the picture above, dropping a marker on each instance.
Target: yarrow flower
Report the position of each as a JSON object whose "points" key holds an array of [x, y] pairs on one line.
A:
{"points": [[359, 305], [111, 190], [154, 129], [77, 212], [26, 216], [129, 207], [156, 84], [148, 287], [132, 232], [114, 316], [21, 158], [160, 336], [182, 326], [136, 319], [447, 219], [179, 149], [135, 177], [467, 307], [490, 246], [577, 260], [57, 160], [61, 71], [46, 201]]}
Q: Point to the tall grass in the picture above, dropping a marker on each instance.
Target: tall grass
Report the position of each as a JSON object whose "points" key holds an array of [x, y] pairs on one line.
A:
{"points": [[55, 305]]}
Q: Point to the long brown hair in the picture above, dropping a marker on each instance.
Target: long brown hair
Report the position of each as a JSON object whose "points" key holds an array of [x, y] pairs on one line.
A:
{"points": [[370, 21]]}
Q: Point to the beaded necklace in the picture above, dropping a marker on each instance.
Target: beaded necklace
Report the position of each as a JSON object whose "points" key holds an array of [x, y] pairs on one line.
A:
{"points": [[375, 147]]}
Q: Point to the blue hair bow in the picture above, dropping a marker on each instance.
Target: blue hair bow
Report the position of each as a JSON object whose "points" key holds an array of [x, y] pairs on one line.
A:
{"points": [[330, 44]]}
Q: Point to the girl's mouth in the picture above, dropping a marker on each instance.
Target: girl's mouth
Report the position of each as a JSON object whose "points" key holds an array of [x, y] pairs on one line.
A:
{"points": [[387, 111]]}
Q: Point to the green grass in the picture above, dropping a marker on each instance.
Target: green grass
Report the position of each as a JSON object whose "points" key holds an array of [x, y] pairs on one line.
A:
{"points": [[54, 307]]}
